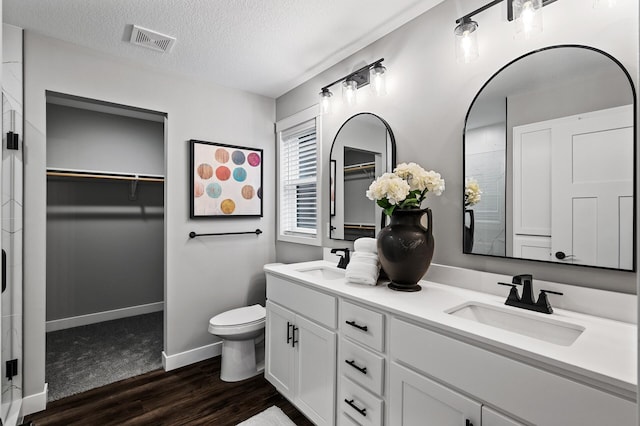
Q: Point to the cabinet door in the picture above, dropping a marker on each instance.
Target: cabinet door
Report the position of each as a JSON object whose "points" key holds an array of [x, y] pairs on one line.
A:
{"points": [[417, 400], [316, 371], [279, 352], [493, 418]]}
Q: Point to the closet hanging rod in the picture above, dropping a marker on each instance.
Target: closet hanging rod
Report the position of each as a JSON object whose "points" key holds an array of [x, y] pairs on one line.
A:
{"points": [[193, 234], [101, 175]]}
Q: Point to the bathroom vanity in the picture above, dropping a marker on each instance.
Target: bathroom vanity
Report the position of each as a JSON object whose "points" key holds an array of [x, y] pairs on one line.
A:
{"points": [[361, 355]]}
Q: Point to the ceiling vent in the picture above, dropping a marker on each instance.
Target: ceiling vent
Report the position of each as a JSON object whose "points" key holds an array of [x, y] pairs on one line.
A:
{"points": [[151, 39]]}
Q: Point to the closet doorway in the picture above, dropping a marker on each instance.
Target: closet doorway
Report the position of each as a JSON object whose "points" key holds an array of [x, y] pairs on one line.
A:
{"points": [[105, 243]]}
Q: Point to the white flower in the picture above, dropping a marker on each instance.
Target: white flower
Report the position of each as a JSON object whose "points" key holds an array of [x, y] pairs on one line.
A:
{"points": [[472, 192], [420, 179], [389, 186], [434, 182]]}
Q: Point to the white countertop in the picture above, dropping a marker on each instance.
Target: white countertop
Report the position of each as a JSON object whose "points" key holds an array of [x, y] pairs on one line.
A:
{"points": [[604, 355]]}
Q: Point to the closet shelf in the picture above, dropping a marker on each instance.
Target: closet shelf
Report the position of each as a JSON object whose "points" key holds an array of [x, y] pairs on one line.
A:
{"points": [[360, 167], [84, 174]]}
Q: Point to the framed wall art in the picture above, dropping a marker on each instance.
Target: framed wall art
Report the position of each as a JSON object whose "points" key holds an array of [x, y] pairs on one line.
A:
{"points": [[226, 180]]}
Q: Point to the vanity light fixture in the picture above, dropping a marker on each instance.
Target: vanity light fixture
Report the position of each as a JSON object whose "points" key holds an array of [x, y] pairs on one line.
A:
{"points": [[325, 101], [466, 40], [526, 13], [374, 73]]}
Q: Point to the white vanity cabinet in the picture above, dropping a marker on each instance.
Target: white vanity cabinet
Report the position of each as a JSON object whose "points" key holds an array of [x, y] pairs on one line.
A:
{"points": [[300, 358]]}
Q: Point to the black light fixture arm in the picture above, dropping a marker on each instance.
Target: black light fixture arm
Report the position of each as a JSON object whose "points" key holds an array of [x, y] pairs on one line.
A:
{"points": [[346, 77], [510, 16], [468, 16]]}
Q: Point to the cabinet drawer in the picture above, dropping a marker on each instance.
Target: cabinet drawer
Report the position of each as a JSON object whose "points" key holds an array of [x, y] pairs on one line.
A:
{"points": [[362, 325], [363, 407], [362, 366], [312, 304], [503, 382]]}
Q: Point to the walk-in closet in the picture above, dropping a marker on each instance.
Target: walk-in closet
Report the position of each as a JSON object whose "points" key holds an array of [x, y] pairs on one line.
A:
{"points": [[105, 243]]}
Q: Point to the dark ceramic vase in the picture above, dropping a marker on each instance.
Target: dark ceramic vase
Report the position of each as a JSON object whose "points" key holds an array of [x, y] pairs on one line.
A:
{"points": [[467, 236], [405, 248]]}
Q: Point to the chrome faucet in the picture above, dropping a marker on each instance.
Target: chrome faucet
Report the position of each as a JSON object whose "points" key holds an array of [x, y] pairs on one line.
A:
{"points": [[344, 260], [527, 301]]}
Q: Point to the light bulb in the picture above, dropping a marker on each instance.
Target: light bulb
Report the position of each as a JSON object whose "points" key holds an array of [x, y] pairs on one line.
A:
{"points": [[349, 89], [466, 41], [528, 16], [325, 101], [378, 79]]}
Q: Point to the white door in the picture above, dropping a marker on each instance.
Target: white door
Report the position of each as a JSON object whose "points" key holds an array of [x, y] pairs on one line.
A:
{"points": [[418, 401], [279, 351], [316, 369], [493, 418], [592, 194]]}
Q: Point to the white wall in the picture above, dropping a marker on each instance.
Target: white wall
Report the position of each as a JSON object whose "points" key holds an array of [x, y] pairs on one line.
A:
{"points": [[204, 276], [428, 97]]}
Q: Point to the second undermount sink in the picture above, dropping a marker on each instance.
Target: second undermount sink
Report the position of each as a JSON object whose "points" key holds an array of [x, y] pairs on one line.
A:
{"points": [[547, 329], [324, 272]]}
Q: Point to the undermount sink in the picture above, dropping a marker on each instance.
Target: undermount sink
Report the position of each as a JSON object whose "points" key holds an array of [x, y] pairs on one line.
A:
{"points": [[547, 329], [324, 272]]}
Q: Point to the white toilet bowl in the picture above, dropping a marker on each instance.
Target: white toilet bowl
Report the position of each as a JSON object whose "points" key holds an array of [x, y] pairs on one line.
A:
{"points": [[240, 329]]}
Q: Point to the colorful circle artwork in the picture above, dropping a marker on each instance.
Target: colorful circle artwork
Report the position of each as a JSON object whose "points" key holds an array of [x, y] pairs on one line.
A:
{"points": [[247, 192], [237, 157], [253, 159], [198, 189], [223, 173], [205, 171], [221, 155], [260, 193], [239, 174], [214, 190], [227, 206]]}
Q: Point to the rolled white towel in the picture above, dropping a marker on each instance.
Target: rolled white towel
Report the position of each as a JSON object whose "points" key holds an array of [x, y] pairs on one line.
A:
{"points": [[362, 271], [366, 245], [368, 258]]}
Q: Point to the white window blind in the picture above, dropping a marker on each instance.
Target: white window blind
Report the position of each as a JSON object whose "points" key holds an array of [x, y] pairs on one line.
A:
{"points": [[298, 180]]}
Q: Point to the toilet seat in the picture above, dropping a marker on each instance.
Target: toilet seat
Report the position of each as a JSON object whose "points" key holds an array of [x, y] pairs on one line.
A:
{"points": [[240, 320]]}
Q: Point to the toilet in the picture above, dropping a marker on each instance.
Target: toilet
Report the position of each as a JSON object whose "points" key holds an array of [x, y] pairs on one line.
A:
{"points": [[241, 330]]}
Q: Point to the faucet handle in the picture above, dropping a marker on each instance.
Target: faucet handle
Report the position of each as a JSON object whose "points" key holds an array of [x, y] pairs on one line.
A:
{"points": [[513, 293], [543, 301]]}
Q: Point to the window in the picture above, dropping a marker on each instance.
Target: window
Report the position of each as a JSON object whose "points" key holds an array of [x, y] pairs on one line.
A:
{"points": [[298, 209]]}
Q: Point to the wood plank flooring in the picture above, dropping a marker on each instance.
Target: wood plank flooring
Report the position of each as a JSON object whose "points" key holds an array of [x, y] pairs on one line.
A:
{"points": [[192, 395]]}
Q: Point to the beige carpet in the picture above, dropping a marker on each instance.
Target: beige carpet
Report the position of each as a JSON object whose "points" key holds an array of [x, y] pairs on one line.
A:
{"points": [[272, 416]]}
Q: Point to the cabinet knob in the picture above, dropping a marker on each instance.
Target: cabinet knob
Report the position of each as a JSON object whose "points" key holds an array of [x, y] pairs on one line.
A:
{"points": [[358, 326], [560, 255], [352, 363], [362, 411]]}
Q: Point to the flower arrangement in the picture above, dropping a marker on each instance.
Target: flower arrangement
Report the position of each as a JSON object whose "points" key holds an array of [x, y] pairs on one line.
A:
{"points": [[405, 188], [472, 192]]}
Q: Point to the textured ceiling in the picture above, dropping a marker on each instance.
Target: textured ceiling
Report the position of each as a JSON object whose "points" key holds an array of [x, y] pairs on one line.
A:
{"points": [[262, 46]]}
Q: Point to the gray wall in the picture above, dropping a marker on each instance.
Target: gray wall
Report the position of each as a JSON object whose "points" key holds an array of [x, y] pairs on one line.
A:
{"points": [[202, 277], [104, 251], [428, 97]]}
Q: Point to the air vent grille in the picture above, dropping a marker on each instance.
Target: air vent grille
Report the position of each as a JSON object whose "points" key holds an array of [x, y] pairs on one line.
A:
{"points": [[151, 39]]}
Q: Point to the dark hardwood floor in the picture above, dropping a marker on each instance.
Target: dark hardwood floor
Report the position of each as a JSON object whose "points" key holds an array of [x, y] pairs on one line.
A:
{"points": [[192, 395]]}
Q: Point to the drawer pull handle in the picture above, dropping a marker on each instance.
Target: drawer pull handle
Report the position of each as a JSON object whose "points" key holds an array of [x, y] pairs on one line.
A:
{"points": [[362, 411], [359, 327], [293, 338], [288, 332], [352, 363]]}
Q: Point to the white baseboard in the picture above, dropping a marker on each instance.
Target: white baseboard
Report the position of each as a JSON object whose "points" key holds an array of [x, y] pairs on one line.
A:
{"points": [[63, 323], [171, 362], [36, 402]]}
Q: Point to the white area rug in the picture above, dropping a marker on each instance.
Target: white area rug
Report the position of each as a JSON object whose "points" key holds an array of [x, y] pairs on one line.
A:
{"points": [[272, 416]]}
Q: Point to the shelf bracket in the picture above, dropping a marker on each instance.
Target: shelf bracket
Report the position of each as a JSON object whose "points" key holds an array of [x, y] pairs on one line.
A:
{"points": [[133, 189]]}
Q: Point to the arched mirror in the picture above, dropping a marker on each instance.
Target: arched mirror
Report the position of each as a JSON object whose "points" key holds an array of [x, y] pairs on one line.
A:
{"points": [[363, 149], [549, 161]]}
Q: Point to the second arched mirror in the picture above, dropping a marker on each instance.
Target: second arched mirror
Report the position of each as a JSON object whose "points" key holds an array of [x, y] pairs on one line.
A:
{"points": [[363, 148]]}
